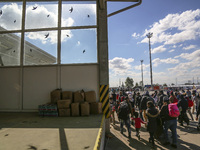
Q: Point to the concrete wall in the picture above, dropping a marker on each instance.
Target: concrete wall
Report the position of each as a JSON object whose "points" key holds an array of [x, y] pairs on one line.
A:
{"points": [[10, 88], [23, 89]]}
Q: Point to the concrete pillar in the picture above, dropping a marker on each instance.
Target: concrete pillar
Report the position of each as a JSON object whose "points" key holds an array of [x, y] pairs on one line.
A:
{"points": [[103, 46], [103, 51]]}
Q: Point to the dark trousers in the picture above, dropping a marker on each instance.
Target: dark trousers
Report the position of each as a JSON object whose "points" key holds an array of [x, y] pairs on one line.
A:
{"points": [[141, 115], [137, 131], [183, 117], [151, 139]]}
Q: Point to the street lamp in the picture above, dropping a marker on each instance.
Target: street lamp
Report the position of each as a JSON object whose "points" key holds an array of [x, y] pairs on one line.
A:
{"points": [[142, 74], [149, 35]]}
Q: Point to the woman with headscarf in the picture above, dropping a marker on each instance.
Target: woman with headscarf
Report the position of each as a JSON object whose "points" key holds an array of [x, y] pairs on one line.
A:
{"points": [[152, 113]]}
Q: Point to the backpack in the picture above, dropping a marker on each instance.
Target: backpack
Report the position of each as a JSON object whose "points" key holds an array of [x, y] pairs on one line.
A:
{"points": [[122, 98], [123, 110], [190, 102], [175, 99], [173, 110]]}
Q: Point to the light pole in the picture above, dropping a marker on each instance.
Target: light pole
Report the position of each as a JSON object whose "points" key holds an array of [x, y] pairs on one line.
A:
{"points": [[142, 74], [149, 35]]}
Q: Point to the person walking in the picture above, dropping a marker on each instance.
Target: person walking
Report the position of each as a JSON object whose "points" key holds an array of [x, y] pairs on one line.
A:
{"points": [[152, 113], [190, 105], [173, 98], [183, 105], [124, 110], [188, 93], [160, 100], [138, 122], [195, 101], [138, 101], [168, 123], [143, 104]]}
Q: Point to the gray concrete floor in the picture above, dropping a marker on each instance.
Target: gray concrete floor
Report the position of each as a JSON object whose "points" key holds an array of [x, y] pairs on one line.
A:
{"points": [[28, 131], [188, 138]]}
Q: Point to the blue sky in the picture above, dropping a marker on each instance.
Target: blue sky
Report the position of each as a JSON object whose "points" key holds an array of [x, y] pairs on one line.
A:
{"points": [[175, 42]]}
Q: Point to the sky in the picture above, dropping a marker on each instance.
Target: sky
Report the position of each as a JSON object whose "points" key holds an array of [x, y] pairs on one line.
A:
{"points": [[175, 44]]}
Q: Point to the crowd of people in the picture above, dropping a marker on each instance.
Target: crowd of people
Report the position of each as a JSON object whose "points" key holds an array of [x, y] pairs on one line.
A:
{"points": [[159, 111]]}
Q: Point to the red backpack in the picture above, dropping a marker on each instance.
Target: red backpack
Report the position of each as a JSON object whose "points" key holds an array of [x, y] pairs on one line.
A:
{"points": [[121, 98], [173, 110], [190, 102], [175, 99]]}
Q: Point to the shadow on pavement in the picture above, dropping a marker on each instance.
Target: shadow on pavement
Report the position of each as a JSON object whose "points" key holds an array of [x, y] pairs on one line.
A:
{"points": [[184, 145], [119, 145]]}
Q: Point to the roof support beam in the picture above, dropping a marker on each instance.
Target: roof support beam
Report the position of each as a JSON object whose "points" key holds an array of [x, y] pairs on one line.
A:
{"points": [[102, 4], [126, 8]]}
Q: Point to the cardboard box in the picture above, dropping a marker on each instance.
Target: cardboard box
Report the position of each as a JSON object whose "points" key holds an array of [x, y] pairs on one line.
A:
{"points": [[96, 108], [85, 109], [55, 96], [67, 95], [90, 96], [75, 109], [78, 96], [64, 103], [64, 112]]}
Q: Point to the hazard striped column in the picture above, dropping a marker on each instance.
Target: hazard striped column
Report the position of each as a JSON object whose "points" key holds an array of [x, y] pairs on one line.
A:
{"points": [[104, 99]]}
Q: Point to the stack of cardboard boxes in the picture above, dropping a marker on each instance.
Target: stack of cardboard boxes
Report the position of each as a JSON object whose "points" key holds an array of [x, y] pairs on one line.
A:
{"points": [[77, 103], [64, 104], [95, 107]]}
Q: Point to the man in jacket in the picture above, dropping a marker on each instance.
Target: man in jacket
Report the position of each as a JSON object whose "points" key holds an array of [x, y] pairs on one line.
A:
{"points": [[160, 100], [183, 105], [168, 123], [143, 104], [138, 101], [124, 111]]}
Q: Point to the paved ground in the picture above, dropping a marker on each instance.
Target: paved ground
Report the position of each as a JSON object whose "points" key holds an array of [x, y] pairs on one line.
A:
{"points": [[28, 131], [188, 139]]}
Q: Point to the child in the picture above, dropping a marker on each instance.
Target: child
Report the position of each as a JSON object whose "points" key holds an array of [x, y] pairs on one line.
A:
{"points": [[138, 122]]}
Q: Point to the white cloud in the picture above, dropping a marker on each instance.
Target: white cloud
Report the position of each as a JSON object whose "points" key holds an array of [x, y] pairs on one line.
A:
{"points": [[34, 19], [190, 65], [189, 47], [135, 35], [158, 61], [120, 65], [10, 13], [174, 46], [139, 67], [190, 56], [186, 24], [172, 50], [180, 45], [159, 49]]}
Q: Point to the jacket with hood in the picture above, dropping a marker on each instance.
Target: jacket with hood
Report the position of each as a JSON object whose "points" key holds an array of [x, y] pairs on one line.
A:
{"points": [[152, 115]]}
